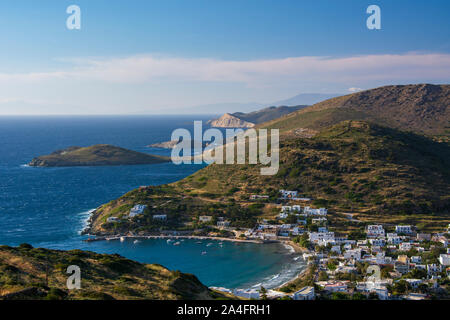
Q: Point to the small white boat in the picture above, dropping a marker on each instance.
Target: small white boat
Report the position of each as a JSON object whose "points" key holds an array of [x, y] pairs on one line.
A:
{"points": [[136, 241], [209, 244], [198, 242], [169, 240], [177, 243], [203, 253], [122, 239]]}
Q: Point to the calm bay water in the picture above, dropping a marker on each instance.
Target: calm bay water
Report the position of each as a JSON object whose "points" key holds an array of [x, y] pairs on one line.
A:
{"points": [[48, 207]]}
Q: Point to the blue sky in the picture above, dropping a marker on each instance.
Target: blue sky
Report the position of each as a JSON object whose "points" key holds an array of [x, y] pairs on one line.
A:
{"points": [[140, 55]]}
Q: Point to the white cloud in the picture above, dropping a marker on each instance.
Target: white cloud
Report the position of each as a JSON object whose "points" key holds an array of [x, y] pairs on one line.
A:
{"points": [[149, 82], [354, 69]]}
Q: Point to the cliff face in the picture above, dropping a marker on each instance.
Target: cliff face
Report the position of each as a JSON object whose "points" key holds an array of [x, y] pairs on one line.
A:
{"points": [[230, 121]]}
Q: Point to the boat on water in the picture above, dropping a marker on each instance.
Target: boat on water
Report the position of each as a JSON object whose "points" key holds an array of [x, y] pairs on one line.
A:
{"points": [[209, 244], [136, 241], [198, 242], [177, 243], [122, 239], [169, 240], [203, 253]]}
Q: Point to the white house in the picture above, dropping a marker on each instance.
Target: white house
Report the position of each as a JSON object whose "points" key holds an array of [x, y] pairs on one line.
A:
{"points": [[287, 194], [283, 215], [416, 259], [137, 210], [306, 293], [160, 217], [377, 242], [336, 249], [204, 218], [223, 223], [404, 246], [433, 269], [378, 287], [353, 254], [375, 231], [414, 283], [320, 237], [444, 259], [246, 293], [404, 229], [423, 236], [257, 196], [315, 212], [112, 219], [333, 286], [297, 231], [395, 240], [319, 220]]}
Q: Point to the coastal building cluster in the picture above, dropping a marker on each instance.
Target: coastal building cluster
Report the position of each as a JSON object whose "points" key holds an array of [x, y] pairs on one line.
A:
{"points": [[389, 262]]}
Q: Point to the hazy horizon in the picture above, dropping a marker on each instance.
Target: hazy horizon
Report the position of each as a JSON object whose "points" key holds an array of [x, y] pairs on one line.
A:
{"points": [[172, 58]]}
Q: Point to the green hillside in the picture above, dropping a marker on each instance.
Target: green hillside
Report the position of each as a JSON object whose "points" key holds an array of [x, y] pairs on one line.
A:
{"points": [[30, 273], [97, 155], [422, 108], [354, 166]]}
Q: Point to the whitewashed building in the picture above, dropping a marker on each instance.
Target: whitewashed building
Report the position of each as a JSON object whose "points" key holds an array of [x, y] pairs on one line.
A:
{"points": [[404, 229], [306, 293], [204, 218], [375, 231], [287, 194], [321, 237], [404, 246], [137, 210], [444, 259]]}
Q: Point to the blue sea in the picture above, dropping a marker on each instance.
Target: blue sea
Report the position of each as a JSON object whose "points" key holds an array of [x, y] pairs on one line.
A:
{"points": [[48, 207]]}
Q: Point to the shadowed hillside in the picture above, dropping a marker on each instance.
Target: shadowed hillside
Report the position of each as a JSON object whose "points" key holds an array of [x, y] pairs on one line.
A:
{"points": [[29, 273]]}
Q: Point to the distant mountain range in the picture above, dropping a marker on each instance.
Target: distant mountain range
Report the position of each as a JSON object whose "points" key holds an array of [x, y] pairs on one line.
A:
{"points": [[248, 120], [306, 99], [222, 108]]}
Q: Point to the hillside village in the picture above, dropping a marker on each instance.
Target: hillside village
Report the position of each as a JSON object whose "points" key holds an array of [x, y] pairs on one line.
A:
{"points": [[364, 198], [383, 262]]}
